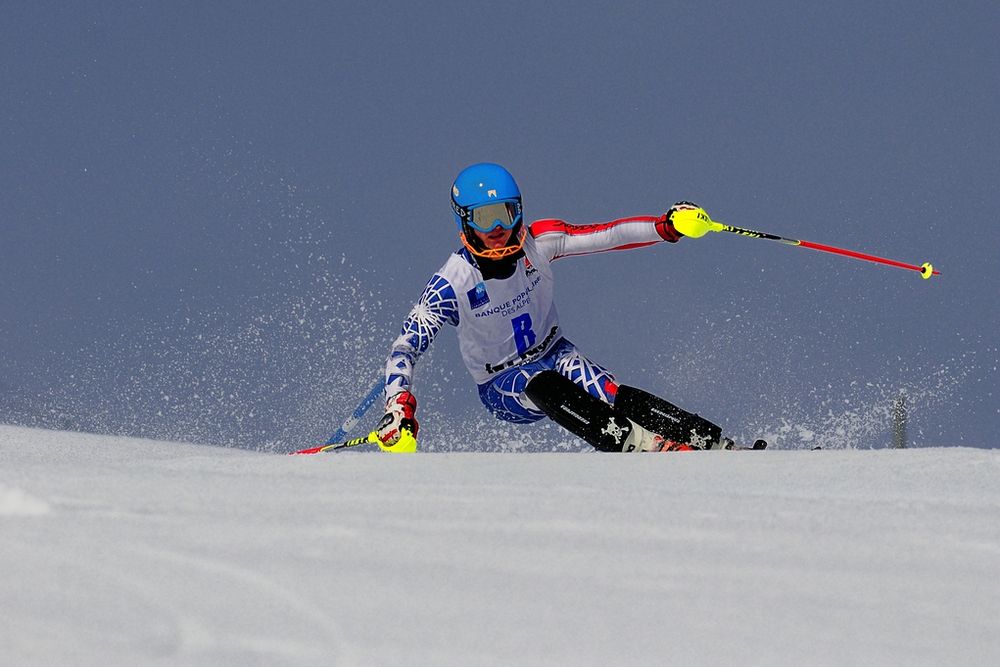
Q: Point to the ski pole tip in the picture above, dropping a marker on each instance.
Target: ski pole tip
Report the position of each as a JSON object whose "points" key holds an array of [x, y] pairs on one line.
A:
{"points": [[311, 450], [927, 270]]}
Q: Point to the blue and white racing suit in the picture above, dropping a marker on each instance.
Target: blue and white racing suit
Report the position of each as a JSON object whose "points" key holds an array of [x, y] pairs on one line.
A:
{"points": [[508, 329]]}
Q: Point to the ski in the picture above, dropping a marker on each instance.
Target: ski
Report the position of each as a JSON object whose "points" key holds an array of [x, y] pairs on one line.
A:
{"points": [[757, 445], [729, 443]]}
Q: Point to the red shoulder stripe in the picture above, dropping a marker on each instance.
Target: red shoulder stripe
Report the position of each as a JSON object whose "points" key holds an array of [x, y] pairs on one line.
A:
{"points": [[546, 226]]}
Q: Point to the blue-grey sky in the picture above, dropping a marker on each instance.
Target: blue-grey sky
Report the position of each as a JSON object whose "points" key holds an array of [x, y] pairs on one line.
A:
{"points": [[214, 216]]}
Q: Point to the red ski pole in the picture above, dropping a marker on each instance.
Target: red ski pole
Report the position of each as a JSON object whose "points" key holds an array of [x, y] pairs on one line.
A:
{"points": [[699, 221], [926, 270]]}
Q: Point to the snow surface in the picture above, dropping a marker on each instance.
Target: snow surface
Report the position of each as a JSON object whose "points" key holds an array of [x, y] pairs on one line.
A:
{"points": [[130, 552]]}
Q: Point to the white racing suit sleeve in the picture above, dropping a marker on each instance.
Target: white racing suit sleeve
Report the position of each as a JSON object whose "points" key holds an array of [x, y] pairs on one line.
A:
{"points": [[436, 307], [557, 238]]}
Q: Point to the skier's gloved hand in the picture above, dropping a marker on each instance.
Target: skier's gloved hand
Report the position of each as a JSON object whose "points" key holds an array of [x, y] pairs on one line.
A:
{"points": [[691, 220], [399, 415]]}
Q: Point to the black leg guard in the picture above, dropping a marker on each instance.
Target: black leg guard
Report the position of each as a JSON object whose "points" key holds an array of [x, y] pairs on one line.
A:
{"points": [[662, 417], [578, 412]]}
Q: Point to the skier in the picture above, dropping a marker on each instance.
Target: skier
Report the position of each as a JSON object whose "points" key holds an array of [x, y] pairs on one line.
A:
{"points": [[498, 291]]}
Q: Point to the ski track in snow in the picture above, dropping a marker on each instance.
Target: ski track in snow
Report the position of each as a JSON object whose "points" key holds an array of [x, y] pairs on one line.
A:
{"points": [[125, 551]]}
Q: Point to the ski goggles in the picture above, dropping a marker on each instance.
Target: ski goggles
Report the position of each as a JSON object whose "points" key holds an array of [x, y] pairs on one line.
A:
{"points": [[489, 217]]}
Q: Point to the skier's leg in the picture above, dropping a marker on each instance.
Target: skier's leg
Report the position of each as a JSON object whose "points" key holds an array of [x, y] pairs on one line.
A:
{"points": [[651, 412], [576, 395], [672, 422], [504, 396], [589, 418], [665, 418]]}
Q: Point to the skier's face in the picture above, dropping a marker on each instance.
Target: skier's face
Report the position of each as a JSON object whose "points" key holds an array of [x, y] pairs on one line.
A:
{"points": [[495, 238]]}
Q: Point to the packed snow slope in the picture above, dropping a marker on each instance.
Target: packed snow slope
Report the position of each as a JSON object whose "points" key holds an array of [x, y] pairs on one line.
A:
{"points": [[119, 551]]}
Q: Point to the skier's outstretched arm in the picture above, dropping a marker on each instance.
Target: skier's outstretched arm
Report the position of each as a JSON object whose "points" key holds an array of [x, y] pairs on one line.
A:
{"points": [[436, 307], [559, 239]]}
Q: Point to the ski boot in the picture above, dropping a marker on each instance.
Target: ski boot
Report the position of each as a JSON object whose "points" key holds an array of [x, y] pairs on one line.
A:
{"points": [[641, 440]]}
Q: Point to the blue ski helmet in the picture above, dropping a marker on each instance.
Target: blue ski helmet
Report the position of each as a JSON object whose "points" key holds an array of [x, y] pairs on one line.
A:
{"points": [[483, 184]]}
